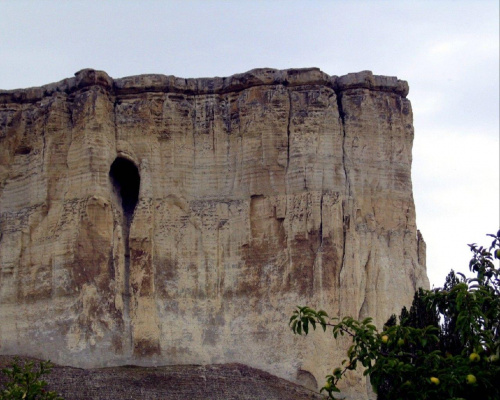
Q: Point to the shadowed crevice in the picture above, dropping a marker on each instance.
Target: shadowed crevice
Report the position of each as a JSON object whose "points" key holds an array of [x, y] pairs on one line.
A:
{"points": [[126, 180]]}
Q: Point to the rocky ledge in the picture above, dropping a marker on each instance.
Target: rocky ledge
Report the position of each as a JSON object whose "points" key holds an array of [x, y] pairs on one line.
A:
{"points": [[173, 382], [171, 84]]}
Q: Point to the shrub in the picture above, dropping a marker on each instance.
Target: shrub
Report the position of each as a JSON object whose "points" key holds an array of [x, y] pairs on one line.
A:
{"points": [[446, 347], [24, 381]]}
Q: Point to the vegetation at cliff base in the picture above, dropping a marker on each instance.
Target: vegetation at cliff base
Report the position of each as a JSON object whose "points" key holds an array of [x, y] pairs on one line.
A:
{"points": [[24, 381], [447, 346]]}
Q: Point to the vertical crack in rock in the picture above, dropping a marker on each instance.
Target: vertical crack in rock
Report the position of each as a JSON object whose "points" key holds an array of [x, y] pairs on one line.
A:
{"points": [[342, 116], [70, 105], [288, 130], [44, 132], [125, 178], [288, 237], [127, 328], [116, 103], [321, 221], [363, 311], [407, 217], [319, 250], [345, 227]]}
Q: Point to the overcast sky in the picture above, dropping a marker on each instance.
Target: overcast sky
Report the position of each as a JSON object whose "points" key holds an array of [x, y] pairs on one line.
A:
{"points": [[448, 51]]}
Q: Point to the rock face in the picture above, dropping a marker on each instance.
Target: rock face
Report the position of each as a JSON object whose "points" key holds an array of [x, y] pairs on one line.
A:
{"points": [[157, 220], [175, 382]]}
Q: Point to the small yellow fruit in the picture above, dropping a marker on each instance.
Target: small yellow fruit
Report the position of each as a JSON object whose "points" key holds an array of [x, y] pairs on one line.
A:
{"points": [[471, 379], [434, 380], [401, 342], [474, 357], [385, 339], [328, 385], [497, 253]]}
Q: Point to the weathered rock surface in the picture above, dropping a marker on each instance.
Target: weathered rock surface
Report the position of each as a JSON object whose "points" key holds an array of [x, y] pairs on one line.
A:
{"points": [[179, 382], [157, 220]]}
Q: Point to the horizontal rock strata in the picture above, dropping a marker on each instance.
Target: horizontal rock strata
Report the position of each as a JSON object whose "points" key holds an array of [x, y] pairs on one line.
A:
{"points": [[158, 220]]}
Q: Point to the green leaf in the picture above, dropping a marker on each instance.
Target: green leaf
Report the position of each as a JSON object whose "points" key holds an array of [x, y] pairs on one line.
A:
{"points": [[305, 325]]}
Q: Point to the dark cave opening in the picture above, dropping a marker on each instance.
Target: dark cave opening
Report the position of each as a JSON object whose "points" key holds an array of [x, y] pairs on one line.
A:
{"points": [[127, 181]]}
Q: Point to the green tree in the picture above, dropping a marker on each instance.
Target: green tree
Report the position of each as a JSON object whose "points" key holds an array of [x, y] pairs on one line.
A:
{"points": [[24, 382], [446, 347]]}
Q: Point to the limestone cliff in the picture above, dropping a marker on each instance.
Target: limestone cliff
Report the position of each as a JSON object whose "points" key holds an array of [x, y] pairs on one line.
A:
{"points": [[158, 220]]}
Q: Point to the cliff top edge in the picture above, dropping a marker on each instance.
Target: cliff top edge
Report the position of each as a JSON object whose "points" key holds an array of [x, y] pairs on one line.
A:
{"points": [[217, 85]]}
